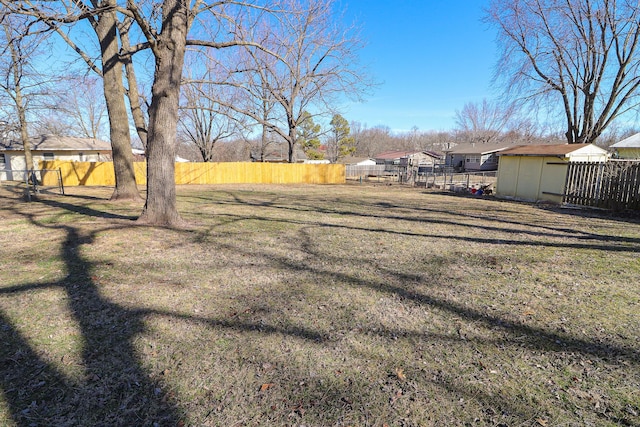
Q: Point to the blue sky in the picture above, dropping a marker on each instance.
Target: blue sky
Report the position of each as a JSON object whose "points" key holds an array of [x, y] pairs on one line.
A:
{"points": [[431, 57]]}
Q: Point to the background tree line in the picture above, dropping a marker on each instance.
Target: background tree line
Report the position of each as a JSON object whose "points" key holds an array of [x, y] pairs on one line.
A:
{"points": [[208, 71], [167, 73]]}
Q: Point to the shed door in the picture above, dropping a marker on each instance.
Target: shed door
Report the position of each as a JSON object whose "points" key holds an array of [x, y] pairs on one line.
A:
{"points": [[529, 178], [508, 171]]}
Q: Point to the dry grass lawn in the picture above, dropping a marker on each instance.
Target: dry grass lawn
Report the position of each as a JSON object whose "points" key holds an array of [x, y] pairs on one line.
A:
{"points": [[355, 305]]}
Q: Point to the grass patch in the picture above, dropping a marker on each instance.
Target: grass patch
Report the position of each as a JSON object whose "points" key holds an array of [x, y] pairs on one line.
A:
{"points": [[317, 306]]}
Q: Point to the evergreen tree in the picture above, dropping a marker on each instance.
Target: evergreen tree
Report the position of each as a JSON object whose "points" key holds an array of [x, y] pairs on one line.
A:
{"points": [[308, 137], [340, 143]]}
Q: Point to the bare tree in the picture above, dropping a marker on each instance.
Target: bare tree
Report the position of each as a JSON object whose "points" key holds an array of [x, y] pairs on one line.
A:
{"points": [[104, 23], [484, 122], [581, 55], [20, 82], [310, 61], [436, 141], [235, 150], [375, 140], [49, 123], [356, 131], [323, 63], [103, 18], [166, 28], [133, 93], [79, 104], [206, 117]]}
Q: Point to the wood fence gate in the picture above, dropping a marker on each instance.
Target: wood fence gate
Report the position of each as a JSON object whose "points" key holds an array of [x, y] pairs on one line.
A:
{"points": [[612, 185]]}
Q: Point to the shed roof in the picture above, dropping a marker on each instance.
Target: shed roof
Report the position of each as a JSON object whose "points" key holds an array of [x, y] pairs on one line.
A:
{"points": [[632, 142], [479, 148], [547, 150], [57, 143]]}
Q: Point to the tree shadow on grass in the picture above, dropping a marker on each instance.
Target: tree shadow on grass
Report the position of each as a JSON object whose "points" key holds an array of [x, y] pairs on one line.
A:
{"points": [[595, 242], [535, 338], [69, 204], [115, 389], [538, 338], [504, 331], [484, 221]]}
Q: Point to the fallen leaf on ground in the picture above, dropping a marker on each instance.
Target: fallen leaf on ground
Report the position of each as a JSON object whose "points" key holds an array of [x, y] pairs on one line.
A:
{"points": [[266, 386]]}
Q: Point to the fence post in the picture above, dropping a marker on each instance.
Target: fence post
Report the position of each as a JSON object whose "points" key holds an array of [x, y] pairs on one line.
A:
{"points": [[26, 182], [60, 182]]}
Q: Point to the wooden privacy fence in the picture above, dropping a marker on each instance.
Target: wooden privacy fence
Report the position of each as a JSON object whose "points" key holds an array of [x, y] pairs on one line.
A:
{"points": [[612, 185], [101, 173]]}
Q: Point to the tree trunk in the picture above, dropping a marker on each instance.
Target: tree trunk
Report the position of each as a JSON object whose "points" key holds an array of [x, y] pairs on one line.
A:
{"points": [[292, 142], [20, 104], [24, 135], [160, 208], [133, 93], [263, 143], [126, 188], [22, 118]]}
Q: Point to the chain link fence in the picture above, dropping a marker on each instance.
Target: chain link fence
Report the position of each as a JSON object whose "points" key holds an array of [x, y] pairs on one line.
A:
{"points": [[33, 180]]}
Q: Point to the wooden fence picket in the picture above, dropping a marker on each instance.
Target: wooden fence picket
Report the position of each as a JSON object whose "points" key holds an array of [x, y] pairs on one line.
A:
{"points": [[87, 173], [612, 185]]}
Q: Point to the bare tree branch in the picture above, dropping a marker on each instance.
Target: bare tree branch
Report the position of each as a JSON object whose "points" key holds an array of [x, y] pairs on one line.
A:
{"points": [[583, 53]]}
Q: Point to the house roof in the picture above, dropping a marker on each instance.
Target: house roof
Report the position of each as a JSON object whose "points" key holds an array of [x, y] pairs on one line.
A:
{"points": [[57, 143], [632, 142], [479, 148], [353, 160], [390, 155], [547, 150]]}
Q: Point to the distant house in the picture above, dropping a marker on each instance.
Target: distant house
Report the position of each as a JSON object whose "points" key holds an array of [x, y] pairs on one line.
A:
{"points": [[140, 155], [408, 159], [50, 147], [628, 148], [538, 172], [357, 161], [475, 156]]}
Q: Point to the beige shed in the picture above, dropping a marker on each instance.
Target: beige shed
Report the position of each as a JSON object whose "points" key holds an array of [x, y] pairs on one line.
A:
{"points": [[538, 172]]}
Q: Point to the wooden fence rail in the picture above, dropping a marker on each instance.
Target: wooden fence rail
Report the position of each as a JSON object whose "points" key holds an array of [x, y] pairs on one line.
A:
{"points": [[612, 185], [101, 173]]}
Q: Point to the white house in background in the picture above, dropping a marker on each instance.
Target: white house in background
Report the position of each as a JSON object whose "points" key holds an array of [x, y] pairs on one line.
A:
{"points": [[140, 156], [628, 148], [50, 147], [357, 161]]}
